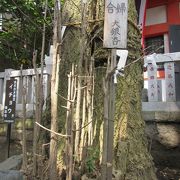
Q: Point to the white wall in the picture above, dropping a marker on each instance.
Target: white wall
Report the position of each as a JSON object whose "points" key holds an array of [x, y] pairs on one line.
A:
{"points": [[156, 15]]}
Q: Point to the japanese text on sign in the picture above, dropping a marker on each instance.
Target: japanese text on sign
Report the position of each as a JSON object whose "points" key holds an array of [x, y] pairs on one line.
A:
{"points": [[10, 101], [115, 24], [170, 81], [152, 83]]}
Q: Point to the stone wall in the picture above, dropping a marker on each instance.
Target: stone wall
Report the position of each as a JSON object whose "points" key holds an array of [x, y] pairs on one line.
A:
{"points": [[16, 129], [164, 142]]}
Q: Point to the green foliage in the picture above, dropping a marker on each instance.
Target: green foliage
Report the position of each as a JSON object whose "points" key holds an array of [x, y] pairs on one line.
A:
{"points": [[22, 30], [92, 159]]}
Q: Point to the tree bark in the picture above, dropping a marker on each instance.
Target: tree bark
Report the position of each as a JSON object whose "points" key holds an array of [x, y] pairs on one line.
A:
{"points": [[80, 72], [69, 124], [36, 129], [131, 158], [24, 102], [54, 91]]}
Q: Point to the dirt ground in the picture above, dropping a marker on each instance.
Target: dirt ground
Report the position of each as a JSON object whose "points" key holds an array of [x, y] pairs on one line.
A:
{"points": [[163, 173], [15, 148]]}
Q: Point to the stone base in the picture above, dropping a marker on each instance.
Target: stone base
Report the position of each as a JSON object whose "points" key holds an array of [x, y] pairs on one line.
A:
{"points": [[164, 143]]}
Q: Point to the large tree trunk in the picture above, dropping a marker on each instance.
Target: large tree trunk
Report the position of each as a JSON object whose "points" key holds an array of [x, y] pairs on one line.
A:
{"points": [[131, 158]]}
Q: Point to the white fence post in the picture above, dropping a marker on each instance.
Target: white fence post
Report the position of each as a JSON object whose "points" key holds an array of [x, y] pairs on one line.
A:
{"points": [[1, 90], [48, 61], [45, 89], [19, 91], [29, 80], [29, 89]]}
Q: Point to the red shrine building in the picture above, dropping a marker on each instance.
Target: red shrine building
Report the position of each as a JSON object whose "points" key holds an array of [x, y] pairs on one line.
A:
{"points": [[160, 23]]}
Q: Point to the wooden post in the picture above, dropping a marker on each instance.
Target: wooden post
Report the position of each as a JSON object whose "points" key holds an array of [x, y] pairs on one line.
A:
{"points": [[36, 129], [69, 125], [115, 37], [108, 131], [24, 101], [19, 91], [29, 89], [111, 117], [54, 90], [89, 93], [83, 130], [8, 138], [69, 132], [41, 94], [79, 69]]}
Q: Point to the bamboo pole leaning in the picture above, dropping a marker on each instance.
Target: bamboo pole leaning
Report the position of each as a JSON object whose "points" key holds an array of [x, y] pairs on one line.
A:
{"points": [[36, 129], [69, 123], [24, 102], [54, 89]]}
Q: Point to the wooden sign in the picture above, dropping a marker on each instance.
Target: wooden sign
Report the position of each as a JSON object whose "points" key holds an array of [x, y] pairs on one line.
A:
{"points": [[170, 81], [115, 24], [123, 54], [10, 101]]}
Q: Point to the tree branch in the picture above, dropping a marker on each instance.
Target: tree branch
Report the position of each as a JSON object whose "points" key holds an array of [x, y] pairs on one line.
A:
{"points": [[62, 135]]}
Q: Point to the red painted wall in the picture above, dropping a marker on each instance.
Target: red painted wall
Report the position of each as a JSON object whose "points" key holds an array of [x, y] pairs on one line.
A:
{"points": [[154, 3], [173, 11], [173, 17]]}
